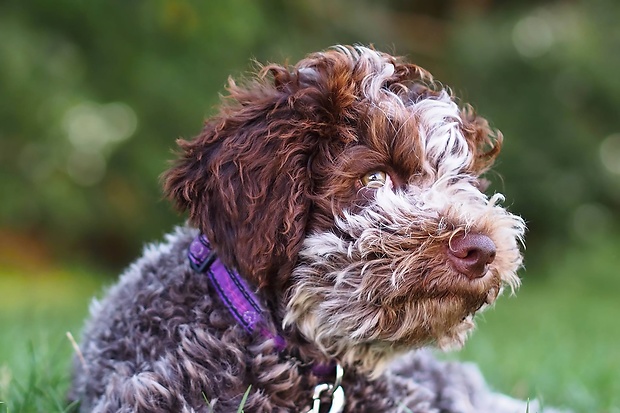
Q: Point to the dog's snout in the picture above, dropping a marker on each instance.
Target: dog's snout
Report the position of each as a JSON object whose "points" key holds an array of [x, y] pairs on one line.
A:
{"points": [[470, 254]]}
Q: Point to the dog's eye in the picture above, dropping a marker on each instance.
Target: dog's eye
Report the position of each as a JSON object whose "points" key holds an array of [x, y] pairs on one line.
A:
{"points": [[374, 179]]}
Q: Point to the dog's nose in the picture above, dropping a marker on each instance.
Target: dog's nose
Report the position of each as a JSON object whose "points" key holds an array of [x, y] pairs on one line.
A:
{"points": [[471, 253]]}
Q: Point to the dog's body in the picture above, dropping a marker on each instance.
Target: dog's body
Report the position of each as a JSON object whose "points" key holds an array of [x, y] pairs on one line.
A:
{"points": [[346, 192]]}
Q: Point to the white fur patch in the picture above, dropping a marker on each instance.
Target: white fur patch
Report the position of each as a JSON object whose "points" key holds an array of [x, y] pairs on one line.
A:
{"points": [[331, 303]]}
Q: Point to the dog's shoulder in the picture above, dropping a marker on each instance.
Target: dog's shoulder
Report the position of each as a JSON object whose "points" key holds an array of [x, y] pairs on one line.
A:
{"points": [[162, 269]]}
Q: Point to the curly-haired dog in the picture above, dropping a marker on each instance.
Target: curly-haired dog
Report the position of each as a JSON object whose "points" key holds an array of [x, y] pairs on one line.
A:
{"points": [[343, 225]]}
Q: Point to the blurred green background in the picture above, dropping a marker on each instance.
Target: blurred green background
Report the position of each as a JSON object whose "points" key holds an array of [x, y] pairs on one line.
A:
{"points": [[94, 93]]}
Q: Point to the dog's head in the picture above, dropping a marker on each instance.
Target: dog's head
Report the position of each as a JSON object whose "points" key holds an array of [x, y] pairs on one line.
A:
{"points": [[350, 184]]}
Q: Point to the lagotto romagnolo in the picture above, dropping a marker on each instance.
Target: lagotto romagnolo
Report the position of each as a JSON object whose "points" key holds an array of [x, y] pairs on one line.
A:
{"points": [[345, 193]]}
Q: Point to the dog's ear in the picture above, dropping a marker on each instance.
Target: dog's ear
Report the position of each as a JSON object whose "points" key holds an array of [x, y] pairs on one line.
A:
{"points": [[484, 142], [246, 179]]}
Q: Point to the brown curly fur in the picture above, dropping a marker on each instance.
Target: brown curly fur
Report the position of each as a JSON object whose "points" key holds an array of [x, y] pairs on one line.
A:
{"points": [[296, 143]]}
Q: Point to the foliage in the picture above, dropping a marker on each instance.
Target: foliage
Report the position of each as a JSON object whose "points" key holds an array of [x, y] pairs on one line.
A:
{"points": [[94, 94], [547, 76]]}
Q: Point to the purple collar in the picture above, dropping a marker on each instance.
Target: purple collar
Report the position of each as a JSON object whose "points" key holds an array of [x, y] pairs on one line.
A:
{"points": [[243, 304], [233, 290], [241, 301]]}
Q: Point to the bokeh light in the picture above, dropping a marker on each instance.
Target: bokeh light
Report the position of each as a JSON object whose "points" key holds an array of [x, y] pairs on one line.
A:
{"points": [[609, 151]]}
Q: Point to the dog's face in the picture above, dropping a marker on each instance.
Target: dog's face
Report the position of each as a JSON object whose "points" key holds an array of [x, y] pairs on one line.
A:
{"points": [[351, 187]]}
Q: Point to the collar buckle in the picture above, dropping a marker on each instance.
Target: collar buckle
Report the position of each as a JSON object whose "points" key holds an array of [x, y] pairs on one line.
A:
{"points": [[335, 393]]}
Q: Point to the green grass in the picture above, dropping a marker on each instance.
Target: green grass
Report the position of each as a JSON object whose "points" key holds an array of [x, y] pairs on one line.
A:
{"points": [[36, 311], [557, 340]]}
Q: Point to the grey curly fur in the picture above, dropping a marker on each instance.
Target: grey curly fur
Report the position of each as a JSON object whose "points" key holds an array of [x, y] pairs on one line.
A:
{"points": [[161, 342], [367, 273]]}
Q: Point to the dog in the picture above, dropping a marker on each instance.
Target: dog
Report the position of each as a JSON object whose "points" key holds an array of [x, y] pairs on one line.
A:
{"points": [[338, 227]]}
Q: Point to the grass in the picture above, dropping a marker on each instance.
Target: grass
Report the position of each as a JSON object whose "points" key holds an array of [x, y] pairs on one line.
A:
{"points": [[556, 341], [36, 310]]}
